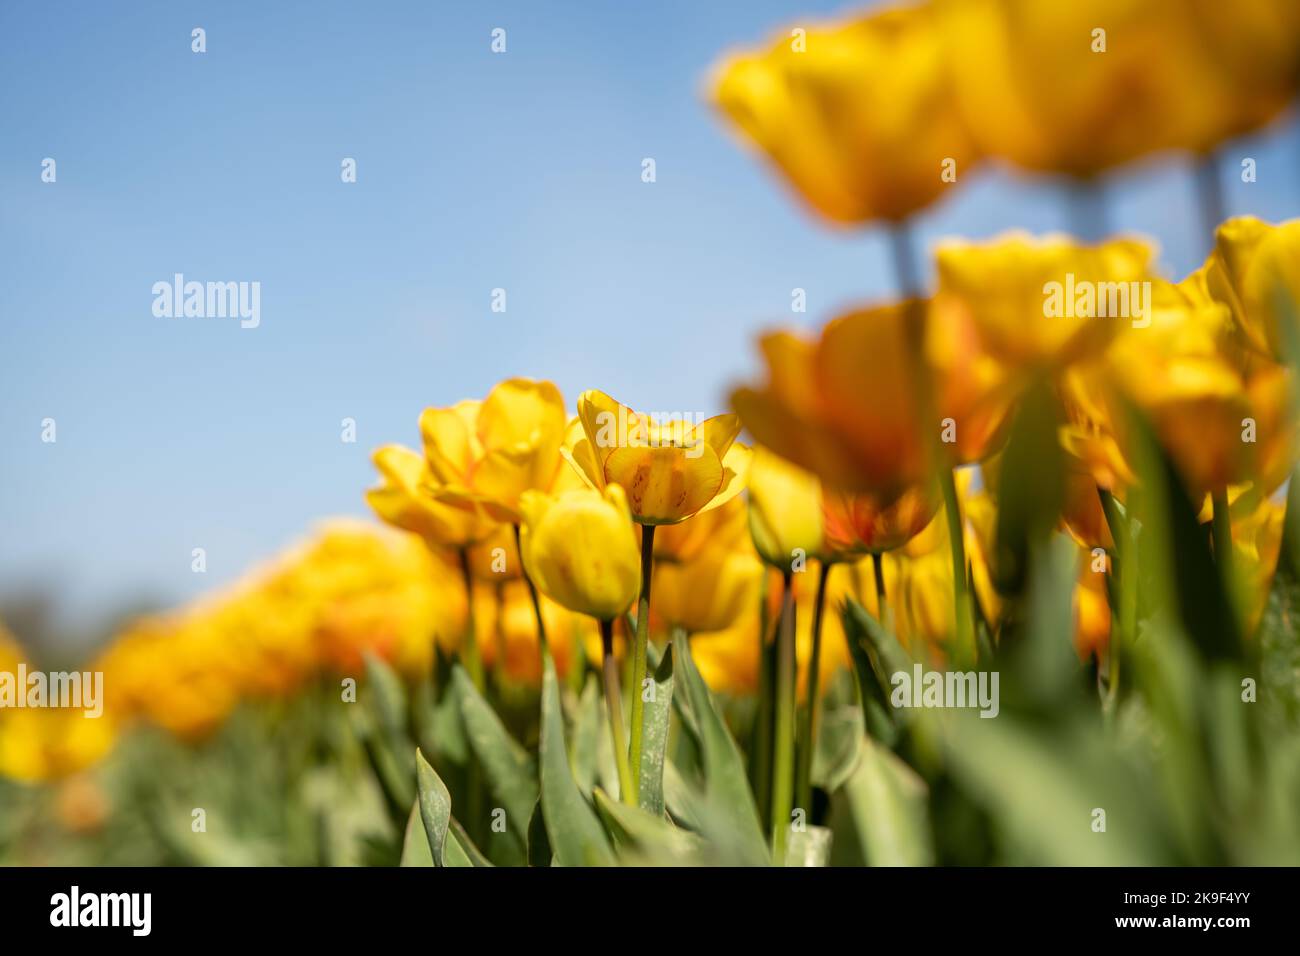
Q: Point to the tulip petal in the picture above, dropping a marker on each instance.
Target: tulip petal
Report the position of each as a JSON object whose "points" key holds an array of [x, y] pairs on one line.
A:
{"points": [[665, 485]]}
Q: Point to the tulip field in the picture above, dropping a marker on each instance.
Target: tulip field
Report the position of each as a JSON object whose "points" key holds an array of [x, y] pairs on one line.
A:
{"points": [[1000, 570]]}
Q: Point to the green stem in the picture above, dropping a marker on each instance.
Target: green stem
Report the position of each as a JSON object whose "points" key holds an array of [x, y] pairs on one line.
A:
{"points": [[642, 640], [532, 590], [962, 609], [808, 729], [878, 572], [614, 710], [761, 766], [469, 654], [1221, 528], [783, 761]]}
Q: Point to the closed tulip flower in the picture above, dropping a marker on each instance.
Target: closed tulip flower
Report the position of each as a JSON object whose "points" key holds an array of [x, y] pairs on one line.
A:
{"points": [[785, 509], [712, 591], [581, 550], [859, 116]]}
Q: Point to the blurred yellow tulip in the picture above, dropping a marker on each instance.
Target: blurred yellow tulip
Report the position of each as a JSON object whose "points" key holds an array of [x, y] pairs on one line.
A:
{"points": [[712, 591], [670, 470], [1078, 88], [581, 549], [686, 539], [1255, 271], [1044, 302], [785, 510], [859, 116]]}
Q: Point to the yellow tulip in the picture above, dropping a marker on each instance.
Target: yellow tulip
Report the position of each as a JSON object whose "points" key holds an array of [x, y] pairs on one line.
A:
{"points": [[486, 454], [670, 470], [785, 509], [1255, 271], [1043, 302], [1078, 88], [709, 593], [859, 116], [581, 549], [506, 626], [1220, 425], [404, 500], [685, 540]]}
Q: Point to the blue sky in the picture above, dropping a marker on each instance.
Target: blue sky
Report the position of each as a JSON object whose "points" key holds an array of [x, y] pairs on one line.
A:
{"points": [[475, 171]]}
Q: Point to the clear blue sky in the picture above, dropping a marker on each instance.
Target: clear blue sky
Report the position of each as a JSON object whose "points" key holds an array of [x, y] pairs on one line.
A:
{"points": [[476, 171]]}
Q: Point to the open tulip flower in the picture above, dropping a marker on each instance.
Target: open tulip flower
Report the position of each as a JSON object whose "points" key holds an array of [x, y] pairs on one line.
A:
{"points": [[486, 454], [402, 499], [670, 470]]}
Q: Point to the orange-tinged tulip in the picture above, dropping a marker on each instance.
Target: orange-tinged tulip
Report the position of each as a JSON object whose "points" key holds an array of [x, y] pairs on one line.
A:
{"points": [[1044, 302], [861, 523], [580, 549], [846, 407], [670, 470], [486, 454], [859, 116]]}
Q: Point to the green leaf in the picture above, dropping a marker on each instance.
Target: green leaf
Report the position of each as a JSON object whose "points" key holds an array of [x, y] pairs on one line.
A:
{"points": [[435, 808], [874, 651], [652, 837], [886, 804], [654, 740], [464, 846], [839, 744], [1043, 790], [1031, 489], [539, 846], [729, 801], [415, 844], [588, 725], [510, 772], [574, 832], [387, 699]]}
